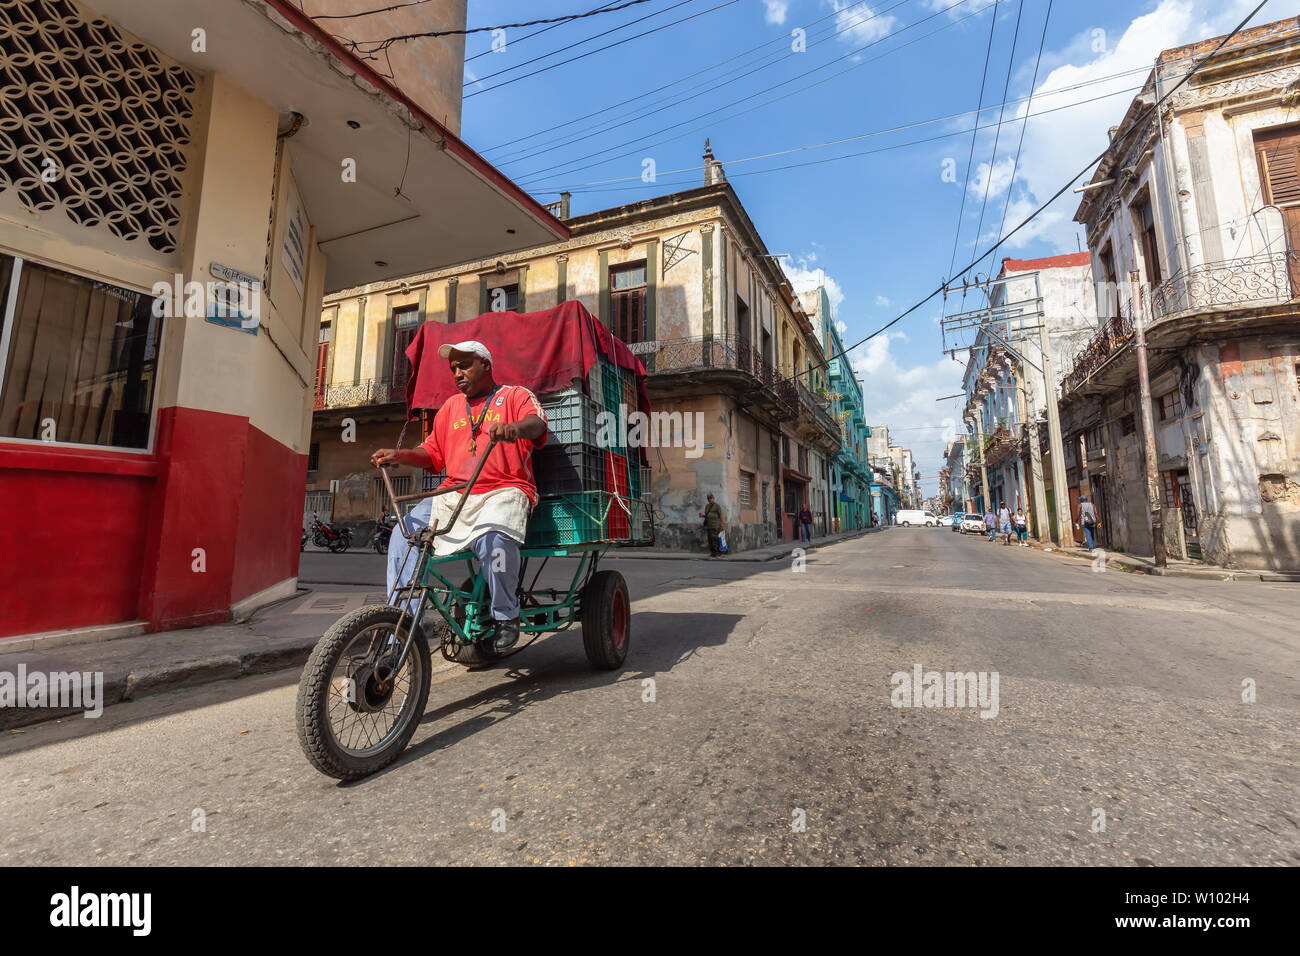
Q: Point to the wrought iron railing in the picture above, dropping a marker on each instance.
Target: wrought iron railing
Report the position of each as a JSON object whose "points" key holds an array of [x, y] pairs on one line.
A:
{"points": [[1245, 282], [816, 409], [722, 351], [373, 392]]}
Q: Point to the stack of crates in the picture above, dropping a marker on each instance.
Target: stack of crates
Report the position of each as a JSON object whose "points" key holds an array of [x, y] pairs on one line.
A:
{"points": [[578, 477]]}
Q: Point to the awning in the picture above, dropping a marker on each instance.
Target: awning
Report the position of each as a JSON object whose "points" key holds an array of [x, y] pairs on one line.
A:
{"points": [[454, 206], [844, 497], [793, 475]]}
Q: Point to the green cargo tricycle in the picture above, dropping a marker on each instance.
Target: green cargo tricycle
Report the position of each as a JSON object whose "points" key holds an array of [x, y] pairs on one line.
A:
{"points": [[365, 686]]}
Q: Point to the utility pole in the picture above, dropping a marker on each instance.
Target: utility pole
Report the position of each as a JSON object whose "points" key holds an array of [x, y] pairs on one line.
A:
{"points": [[1155, 496], [1041, 524], [1055, 446], [984, 472]]}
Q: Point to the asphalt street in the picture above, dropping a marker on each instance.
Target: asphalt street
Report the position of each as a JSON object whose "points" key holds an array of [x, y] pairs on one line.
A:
{"points": [[754, 722]]}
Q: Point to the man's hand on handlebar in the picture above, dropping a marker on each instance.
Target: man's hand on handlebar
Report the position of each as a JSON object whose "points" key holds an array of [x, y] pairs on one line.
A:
{"points": [[388, 457], [530, 427]]}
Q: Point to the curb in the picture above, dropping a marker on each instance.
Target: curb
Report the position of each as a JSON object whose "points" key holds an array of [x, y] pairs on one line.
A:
{"points": [[1208, 573], [137, 683]]}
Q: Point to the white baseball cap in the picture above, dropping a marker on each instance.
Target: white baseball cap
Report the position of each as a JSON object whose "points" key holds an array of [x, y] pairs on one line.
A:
{"points": [[469, 346]]}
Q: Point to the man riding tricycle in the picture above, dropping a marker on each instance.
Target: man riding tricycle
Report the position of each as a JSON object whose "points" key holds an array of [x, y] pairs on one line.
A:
{"points": [[365, 686]]}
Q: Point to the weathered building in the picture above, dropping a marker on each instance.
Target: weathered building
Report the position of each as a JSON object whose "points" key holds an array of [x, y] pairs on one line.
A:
{"points": [[1005, 379], [1193, 223], [180, 183], [687, 282]]}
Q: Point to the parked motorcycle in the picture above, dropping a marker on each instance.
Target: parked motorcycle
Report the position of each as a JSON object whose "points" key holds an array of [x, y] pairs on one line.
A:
{"points": [[323, 536], [384, 532]]}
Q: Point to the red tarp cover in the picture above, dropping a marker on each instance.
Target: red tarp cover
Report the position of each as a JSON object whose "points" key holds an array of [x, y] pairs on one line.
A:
{"points": [[543, 351]]}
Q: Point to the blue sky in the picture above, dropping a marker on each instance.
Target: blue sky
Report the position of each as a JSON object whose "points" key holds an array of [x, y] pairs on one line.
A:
{"points": [[878, 227]]}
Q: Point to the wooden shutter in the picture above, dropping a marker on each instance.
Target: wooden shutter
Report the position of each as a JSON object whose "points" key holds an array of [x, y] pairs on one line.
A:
{"points": [[322, 366], [1278, 154]]}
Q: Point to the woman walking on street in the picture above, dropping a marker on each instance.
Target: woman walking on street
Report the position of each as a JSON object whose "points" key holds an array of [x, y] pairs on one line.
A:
{"points": [[1022, 528]]}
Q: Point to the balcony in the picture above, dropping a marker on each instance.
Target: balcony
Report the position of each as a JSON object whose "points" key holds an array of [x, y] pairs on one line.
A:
{"points": [[1251, 282], [815, 416], [689, 360], [372, 392], [1248, 283]]}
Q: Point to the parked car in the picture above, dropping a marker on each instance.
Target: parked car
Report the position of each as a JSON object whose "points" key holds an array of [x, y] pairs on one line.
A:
{"points": [[927, 518], [973, 524], [956, 521]]}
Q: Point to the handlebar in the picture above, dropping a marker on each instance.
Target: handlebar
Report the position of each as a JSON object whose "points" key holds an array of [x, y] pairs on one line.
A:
{"points": [[466, 486]]}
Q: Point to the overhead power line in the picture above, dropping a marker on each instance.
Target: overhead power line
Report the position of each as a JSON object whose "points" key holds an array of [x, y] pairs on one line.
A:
{"points": [[604, 49], [451, 33], [781, 38], [731, 163], [585, 40], [1015, 164], [1151, 110], [997, 133], [526, 179], [606, 125], [529, 36]]}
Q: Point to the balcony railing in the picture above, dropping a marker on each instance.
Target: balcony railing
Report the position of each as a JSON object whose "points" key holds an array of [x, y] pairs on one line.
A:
{"points": [[372, 392], [723, 351], [1248, 282], [1243, 283], [816, 410]]}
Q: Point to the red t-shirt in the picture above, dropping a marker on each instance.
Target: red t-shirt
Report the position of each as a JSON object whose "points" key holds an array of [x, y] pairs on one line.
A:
{"points": [[510, 464]]}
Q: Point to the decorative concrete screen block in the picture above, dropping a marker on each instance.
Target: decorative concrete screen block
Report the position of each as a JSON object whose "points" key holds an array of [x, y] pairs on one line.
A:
{"points": [[92, 122]]}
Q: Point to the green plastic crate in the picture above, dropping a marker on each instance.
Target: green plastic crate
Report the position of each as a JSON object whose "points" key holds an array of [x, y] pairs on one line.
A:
{"points": [[567, 519]]}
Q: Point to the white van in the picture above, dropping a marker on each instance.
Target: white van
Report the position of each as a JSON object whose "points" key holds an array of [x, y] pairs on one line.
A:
{"points": [[927, 518]]}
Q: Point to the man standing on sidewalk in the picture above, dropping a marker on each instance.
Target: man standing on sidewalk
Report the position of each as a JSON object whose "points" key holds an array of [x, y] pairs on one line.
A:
{"points": [[805, 524], [713, 525]]}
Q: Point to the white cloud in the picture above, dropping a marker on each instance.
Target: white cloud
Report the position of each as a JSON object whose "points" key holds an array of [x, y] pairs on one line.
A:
{"points": [[775, 10], [1001, 178], [841, 328], [883, 301], [804, 278], [857, 24], [903, 397], [1057, 144]]}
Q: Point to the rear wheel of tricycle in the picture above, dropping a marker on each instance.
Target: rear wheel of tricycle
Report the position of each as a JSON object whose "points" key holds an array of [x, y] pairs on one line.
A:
{"points": [[354, 714], [606, 620]]}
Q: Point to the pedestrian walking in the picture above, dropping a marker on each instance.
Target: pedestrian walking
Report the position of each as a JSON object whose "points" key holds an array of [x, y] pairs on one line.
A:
{"points": [[1004, 524], [1088, 518], [713, 526], [805, 524], [1022, 528], [990, 524]]}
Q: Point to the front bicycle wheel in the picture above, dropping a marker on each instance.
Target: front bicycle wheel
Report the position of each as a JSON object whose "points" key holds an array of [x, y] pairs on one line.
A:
{"points": [[355, 714]]}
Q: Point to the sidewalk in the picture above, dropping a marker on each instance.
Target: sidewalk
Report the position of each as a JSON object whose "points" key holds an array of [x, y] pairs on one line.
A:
{"points": [[772, 552], [1175, 569], [138, 666]]}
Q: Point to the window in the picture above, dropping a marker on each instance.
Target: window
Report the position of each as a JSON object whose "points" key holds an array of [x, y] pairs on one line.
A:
{"points": [[1110, 288], [407, 322], [313, 456], [746, 490], [504, 298], [1147, 236], [1127, 424], [1278, 154], [1169, 482], [1171, 405], [82, 359], [323, 360], [401, 486], [627, 302]]}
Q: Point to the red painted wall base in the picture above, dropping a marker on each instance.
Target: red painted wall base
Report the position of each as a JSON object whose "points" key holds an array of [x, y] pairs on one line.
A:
{"points": [[174, 539]]}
